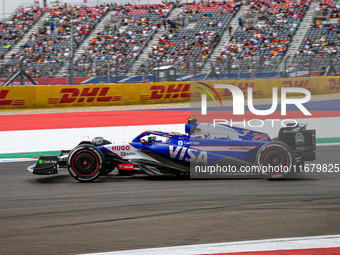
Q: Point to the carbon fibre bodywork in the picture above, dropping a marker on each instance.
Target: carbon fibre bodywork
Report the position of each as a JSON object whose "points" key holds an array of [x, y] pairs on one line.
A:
{"points": [[156, 153]]}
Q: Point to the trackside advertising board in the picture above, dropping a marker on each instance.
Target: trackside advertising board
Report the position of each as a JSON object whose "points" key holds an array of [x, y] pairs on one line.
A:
{"points": [[145, 93]]}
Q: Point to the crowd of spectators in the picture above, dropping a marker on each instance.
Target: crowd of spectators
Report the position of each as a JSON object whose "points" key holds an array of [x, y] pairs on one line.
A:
{"points": [[179, 49], [322, 39], [195, 10], [13, 28], [259, 43], [107, 47], [323, 35], [84, 18], [267, 41], [162, 9], [188, 48], [115, 49], [321, 42], [45, 52]]}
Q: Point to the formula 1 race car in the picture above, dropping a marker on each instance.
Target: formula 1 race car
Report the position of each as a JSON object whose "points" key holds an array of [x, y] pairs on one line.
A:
{"points": [[154, 153]]}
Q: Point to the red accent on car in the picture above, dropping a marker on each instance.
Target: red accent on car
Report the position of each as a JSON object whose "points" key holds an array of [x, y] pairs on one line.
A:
{"points": [[126, 167]]}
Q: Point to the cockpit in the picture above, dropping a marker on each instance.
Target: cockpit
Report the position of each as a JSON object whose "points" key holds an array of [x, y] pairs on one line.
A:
{"points": [[150, 139], [154, 138]]}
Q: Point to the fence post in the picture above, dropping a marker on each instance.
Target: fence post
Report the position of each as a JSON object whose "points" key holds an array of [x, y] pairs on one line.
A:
{"points": [[22, 78], [296, 70], [259, 66], [180, 71], [108, 72], [117, 59], [229, 68], [333, 68], [195, 68], [146, 71], [285, 67], [67, 73]]}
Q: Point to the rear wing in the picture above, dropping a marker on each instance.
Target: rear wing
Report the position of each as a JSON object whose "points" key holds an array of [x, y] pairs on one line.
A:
{"points": [[300, 139]]}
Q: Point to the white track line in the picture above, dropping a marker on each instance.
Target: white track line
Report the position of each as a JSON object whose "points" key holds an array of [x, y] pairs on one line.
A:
{"points": [[66, 139], [313, 242]]}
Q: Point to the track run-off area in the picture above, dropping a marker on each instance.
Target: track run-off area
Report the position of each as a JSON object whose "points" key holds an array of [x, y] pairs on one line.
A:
{"points": [[58, 215]]}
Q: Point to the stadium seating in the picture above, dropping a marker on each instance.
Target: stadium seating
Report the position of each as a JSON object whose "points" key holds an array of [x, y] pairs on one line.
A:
{"points": [[122, 44], [12, 29], [186, 47], [330, 3], [43, 54], [187, 41], [262, 45], [321, 42]]}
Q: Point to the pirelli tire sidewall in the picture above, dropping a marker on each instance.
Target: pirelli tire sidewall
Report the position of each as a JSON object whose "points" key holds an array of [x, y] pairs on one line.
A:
{"points": [[89, 153], [275, 153]]}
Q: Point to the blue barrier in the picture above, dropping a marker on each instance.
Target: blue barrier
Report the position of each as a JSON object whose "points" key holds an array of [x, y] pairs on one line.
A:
{"points": [[150, 78]]}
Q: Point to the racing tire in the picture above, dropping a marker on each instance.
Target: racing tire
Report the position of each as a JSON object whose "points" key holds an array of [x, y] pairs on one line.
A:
{"points": [[85, 163], [275, 159]]}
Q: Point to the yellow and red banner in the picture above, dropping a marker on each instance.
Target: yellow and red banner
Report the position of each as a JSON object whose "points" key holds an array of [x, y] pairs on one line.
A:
{"points": [[145, 93]]}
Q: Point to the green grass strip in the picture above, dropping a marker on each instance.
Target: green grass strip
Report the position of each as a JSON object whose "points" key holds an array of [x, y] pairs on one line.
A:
{"points": [[328, 140], [30, 154]]}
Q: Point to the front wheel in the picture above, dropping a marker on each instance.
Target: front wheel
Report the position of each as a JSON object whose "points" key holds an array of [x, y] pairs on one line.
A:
{"points": [[275, 159], [85, 163]]}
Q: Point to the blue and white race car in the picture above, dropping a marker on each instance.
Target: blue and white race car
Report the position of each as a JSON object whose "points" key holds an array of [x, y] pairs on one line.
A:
{"points": [[155, 153]]}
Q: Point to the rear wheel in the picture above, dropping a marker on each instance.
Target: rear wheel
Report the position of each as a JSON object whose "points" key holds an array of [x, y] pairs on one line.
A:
{"points": [[85, 163], [275, 159]]}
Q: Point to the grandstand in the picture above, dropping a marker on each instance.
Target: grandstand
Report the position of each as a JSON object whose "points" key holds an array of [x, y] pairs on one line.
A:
{"points": [[266, 36], [13, 29], [263, 41], [44, 53], [320, 46], [185, 47], [130, 29]]}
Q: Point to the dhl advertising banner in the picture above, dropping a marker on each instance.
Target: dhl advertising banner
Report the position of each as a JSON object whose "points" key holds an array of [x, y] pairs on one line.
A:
{"points": [[17, 97], [146, 93], [263, 88], [92, 95]]}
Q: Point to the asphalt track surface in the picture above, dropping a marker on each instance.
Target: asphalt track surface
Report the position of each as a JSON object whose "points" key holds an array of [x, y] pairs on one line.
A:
{"points": [[58, 215]]}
